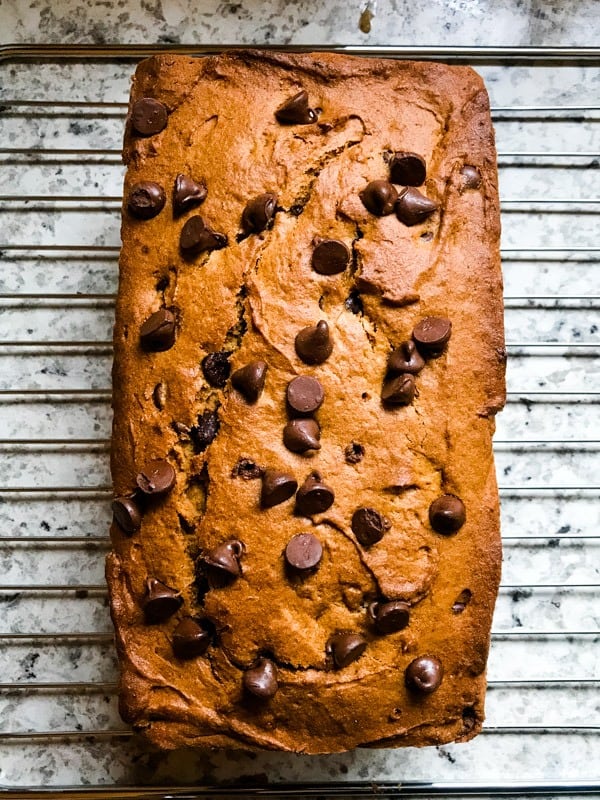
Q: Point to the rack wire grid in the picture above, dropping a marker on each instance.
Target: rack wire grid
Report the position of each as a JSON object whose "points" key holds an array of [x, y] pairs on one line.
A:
{"points": [[61, 118]]}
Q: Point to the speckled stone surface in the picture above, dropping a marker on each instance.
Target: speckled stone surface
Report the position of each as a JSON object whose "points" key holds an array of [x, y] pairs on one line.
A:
{"points": [[553, 380]]}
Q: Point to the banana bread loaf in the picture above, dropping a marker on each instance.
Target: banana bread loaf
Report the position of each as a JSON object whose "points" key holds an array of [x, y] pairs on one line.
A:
{"points": [[309, 355]]}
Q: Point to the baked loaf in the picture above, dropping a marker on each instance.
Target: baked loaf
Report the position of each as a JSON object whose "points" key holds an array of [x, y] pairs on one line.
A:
{"points": [[309, 355]]}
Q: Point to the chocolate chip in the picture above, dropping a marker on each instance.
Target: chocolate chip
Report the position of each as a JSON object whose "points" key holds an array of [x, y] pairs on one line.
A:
{"points": [[354, 453], [407, 169], [346, 648], [205, 431], [369, 525], [447, 514], [314, 344], [471, 177], [462, 601], [261, 679], [389, 617], [259, 212], [191, 638], [157, 478], [277, 487], [304, 395], [424, 674], [399, 390], [431, 336], [216, 368], [314, 496], [303, 552], [158, 331], [196, 237], [149, 116], [160, 602], [412, 207], [406, 358], [146, 200], [250, 380], [226, 558], [246, 470], [296, 111], [330, 257], [159, 395], [187, 193], [379, 197], [301, 435], [127, 513]]}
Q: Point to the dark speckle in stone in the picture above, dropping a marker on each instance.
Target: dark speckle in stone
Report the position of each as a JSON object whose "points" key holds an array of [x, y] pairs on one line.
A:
{"points": [[564, 529], [520, 594], [553, 543], [44, 525], [27, 664], [445, 754], [78, 129], [507, 470]]}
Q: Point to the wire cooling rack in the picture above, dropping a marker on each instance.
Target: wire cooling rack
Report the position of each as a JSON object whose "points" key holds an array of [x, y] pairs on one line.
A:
{"points": [[61, 120]]}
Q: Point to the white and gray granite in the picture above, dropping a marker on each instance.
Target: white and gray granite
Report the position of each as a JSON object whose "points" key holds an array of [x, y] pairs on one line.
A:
{"points": [[545, 528]]}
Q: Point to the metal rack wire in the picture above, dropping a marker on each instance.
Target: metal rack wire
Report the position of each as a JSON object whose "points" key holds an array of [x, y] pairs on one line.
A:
{"points": [[575, 480]]}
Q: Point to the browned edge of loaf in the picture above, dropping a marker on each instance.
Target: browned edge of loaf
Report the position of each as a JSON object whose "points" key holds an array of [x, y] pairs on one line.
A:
{"points": [[148, 701]]}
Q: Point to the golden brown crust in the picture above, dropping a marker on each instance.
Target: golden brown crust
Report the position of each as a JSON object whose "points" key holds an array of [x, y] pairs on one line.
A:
{"points": [[222, 129]]}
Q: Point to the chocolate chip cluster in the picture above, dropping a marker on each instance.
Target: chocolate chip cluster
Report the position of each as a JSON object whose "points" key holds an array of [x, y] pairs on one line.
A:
{"points": [[314, 344]]}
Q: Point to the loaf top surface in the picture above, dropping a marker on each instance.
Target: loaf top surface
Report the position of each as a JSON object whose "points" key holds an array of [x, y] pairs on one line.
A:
{"points": [[248, 300]]}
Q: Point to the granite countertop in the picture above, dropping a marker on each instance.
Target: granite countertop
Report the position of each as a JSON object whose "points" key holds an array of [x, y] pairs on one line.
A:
{"points": [[457, 22], [545, 533]]}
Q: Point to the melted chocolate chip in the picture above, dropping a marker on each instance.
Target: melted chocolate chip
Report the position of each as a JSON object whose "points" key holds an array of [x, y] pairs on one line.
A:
{"points": [[146, 200], [330, 257], [304, 395], [250, 380], [216, 368], [412, 207], [407, 169], [205, 431], [471, 177], [226, 558], [424, 674], [191, 638], [127, 514], [406, 358], [368, 525], [246, 470], [447, 514], [187, 193], [390, 617], [399, 390], [346, 648], [157, 478], [301, 435], [296, 111], [314, 496], [196, 237], [149, 116], [354, 303], [431, 336], [314, 344], [160, 602], [259, 212], [277, 487], [303, 552], [462, 601], [261, 679], [158, 331], [354, 453], [379, 197]]}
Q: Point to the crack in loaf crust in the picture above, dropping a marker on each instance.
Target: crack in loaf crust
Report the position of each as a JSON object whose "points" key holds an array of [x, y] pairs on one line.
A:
{"points": [[250, 299]]}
